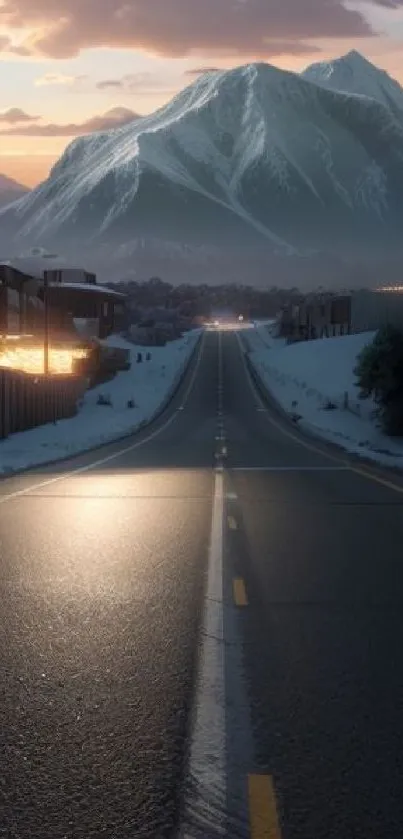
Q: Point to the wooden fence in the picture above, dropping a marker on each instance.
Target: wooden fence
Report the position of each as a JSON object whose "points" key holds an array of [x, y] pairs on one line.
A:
{"points": [[27, 401]]}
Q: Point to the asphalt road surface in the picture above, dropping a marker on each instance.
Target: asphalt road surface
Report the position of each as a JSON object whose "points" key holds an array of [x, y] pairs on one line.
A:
{"points": [[103, 569]]}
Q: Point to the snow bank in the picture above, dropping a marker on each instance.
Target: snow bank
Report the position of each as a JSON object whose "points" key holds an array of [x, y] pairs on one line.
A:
{"points": [[261, 337], [310, 377], [149, 384]]}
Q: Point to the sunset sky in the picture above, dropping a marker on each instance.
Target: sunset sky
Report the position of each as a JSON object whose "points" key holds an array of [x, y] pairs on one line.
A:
{"points": [[67, 63]]}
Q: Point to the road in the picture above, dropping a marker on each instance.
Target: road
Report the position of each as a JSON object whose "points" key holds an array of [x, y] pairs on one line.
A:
{"points": [[103, 567]]}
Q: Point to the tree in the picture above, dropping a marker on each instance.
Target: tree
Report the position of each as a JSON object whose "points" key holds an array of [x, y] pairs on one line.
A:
{"points": [[380, 374]]}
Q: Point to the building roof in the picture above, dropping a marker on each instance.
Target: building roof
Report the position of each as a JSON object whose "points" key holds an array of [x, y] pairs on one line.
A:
{"points": [[89, 288]]}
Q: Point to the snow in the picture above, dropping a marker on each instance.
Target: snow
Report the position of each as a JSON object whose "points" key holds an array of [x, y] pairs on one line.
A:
{"points": [[91, 287], [149, 384], [271, 119], [306, 376], [354, 74]]}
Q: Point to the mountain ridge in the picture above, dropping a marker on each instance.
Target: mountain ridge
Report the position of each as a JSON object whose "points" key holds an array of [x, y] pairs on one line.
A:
{"points": [[11, 190], [257, 155]]}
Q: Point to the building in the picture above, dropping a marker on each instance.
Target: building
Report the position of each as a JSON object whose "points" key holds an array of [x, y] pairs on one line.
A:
{"points": [[372, 309], [316, 316], [95, 311], [69, 275], [21, 310], [76, 303]]}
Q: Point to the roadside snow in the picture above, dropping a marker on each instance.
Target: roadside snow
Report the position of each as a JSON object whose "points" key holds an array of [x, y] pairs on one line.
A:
{"points": [[308, 376], [149, 384]]}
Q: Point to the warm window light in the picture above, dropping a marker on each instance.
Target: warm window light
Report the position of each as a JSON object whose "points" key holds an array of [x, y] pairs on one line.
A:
{"points": [[31, 358]]}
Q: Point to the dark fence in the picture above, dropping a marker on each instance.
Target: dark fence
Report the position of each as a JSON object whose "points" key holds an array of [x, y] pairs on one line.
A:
{"points": [[27, 401]]}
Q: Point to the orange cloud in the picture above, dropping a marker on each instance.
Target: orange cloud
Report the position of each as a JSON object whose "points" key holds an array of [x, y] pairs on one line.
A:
{"points": [[264, 28], [15, 115], [144, 83], [114, 118]]}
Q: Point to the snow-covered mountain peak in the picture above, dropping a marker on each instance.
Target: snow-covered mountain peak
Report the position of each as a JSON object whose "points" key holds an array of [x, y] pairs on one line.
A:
{"points": [[353, 73], [251, 157]]}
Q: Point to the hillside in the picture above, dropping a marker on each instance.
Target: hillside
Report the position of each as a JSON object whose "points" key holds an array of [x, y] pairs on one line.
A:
{"points": [[10, 190]]}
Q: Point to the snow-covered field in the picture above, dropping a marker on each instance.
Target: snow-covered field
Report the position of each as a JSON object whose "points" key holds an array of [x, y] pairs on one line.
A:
{"points": [[308, 377], [148, 384]]}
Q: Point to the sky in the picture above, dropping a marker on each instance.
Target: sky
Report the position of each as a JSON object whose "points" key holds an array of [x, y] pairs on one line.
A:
{"points": [[74, 66]]}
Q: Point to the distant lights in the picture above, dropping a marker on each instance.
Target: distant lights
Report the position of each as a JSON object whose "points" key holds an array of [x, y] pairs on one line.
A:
{"points": [[398, 288]]}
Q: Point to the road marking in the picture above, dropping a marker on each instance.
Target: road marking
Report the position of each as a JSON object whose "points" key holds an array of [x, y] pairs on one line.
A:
{"points": [[290, 469], [256, 395], [96, 463], [310, 446], [383, 481], [232, 523], [207, 768], [239, 591], [264, 823]]}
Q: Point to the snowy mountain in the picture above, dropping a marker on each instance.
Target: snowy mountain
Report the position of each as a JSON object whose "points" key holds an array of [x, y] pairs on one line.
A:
{"points": [[242, 167], [10, 190], [352, 73]]}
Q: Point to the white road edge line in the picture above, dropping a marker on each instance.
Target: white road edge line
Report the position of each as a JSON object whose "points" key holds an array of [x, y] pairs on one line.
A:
{"points": [[357, 470], [290, 469], [94, 465], [310, 446], [207, 764]]}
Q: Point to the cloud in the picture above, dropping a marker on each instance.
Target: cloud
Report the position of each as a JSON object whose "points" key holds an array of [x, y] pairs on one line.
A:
{"points": [[144, 83], [15, 115], [58, 79], [6, 45], [110, 83], [262, 28], [114, 118], [199, 71]]}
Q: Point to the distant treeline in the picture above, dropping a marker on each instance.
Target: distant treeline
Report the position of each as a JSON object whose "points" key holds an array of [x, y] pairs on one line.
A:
{"points": [[206, 300]]}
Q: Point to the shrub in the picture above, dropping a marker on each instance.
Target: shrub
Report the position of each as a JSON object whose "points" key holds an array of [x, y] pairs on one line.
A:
{"points": [[380, 374], [104, 399]]}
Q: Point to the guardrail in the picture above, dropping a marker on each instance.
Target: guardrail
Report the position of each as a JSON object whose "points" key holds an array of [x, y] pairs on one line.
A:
{"points": [[28, 401]]}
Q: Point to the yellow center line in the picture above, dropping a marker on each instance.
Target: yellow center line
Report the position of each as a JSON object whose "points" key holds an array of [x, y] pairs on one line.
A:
{"points": [[232, 523], [264, 822], [240, 596]]}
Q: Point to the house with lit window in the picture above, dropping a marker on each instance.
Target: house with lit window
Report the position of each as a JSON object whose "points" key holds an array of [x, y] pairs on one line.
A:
{"points": [[76, 304]]}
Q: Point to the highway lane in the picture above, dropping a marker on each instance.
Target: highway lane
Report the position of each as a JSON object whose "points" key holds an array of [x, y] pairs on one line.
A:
{"points": [[103, 562], [314, 558], [101, 591]]}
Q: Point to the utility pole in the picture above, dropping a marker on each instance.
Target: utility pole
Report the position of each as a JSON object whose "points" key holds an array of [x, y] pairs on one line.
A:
{"points": [[46, 324]]}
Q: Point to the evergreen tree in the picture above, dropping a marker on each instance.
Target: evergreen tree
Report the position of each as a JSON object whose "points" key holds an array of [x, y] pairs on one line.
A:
{"points": [[380, 374]]}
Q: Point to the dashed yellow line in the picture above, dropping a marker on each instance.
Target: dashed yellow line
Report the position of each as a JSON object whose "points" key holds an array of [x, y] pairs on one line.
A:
{"points": [[264, 822], [240, 596], [232, 523]]}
